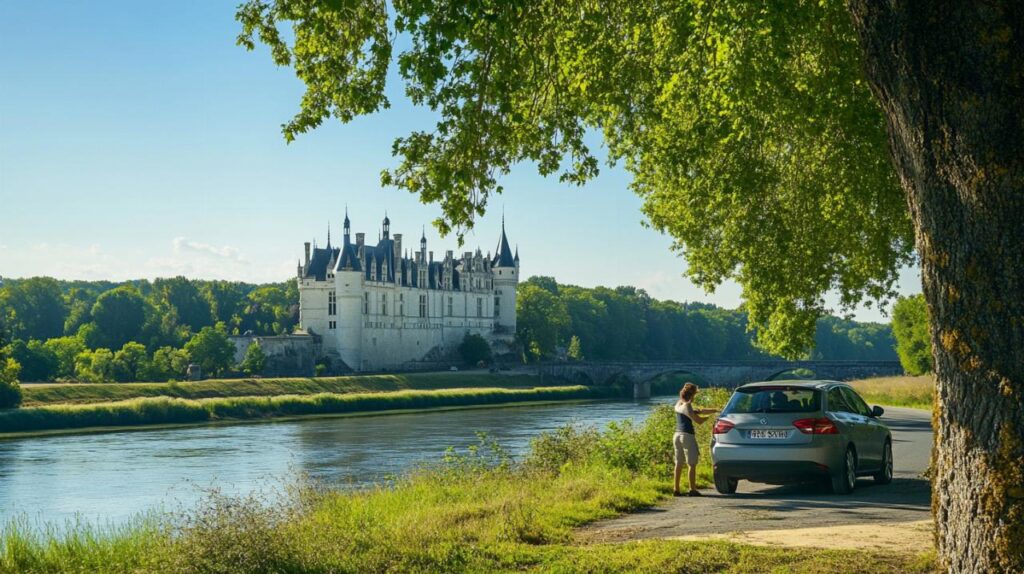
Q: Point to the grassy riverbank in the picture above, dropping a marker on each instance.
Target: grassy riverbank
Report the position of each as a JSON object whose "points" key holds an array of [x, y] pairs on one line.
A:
{"points": [[912, 392], [164, 410], [47, 394], [477, 511]]}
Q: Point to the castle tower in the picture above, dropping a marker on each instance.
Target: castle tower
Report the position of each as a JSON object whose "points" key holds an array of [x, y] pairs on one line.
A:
{"points": [[505, 271], [348, 288]]}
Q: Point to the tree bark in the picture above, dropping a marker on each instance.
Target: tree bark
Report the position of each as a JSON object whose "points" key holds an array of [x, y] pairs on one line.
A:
{"points": [[950, 79]]}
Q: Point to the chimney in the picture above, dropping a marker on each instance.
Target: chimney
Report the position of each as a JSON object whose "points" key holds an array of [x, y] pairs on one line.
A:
{"points": [[307, 254], [398, 246], [431, 256], [360, 240], [448, 255]]}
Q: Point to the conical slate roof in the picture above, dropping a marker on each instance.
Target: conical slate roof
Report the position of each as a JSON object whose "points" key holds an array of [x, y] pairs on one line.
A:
{"points": [[503, 254]]}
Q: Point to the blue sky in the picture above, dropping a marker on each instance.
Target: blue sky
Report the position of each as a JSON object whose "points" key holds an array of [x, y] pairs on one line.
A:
{"points": [[136, 140]]}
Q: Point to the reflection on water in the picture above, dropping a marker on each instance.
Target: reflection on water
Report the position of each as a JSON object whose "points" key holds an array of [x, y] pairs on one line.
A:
{"points": [[107, 478]]}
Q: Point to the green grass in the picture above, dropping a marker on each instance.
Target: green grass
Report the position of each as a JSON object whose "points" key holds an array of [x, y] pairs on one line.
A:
{"points": [[164, 410], [912, 392], [43, 394], [477, 511]]}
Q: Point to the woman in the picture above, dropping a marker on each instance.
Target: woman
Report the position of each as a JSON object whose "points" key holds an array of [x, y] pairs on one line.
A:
{"points": [[684, 440]]}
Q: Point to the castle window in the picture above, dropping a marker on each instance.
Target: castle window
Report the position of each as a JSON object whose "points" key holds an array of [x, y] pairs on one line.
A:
{"points": [[479, 307], [450, 307], [383, 303], [366, 303], [332, 303], [332, 325], [401, 305], [423, 305], [497, 306]]}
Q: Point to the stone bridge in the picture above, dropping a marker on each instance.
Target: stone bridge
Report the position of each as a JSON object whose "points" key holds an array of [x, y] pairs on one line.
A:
{"points": [[717, 374]]}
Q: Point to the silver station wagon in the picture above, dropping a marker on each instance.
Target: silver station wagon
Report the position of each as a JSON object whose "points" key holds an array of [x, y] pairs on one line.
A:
{"points": [[799, 431]]}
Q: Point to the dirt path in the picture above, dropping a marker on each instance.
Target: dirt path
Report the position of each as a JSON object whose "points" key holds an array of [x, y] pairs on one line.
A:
{"points": [[882, 516]]}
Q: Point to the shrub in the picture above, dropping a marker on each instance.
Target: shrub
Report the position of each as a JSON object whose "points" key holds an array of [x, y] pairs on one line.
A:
{"points": [[913, 339], [474, 349], [10, 390], [255, 360]]}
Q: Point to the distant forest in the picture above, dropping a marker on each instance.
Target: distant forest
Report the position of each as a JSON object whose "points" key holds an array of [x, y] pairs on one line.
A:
{"points": [[150, 330], [602, 323]]}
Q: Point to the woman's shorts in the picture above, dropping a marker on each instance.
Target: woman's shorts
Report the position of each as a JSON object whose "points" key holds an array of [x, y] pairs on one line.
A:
{"points": [[686, 448]]}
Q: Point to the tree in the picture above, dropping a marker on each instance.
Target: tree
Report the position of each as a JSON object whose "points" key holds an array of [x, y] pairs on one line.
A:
{"points": [[37, 362], [10, 390], [226, 300], [95, 366], [34, 308], [117, 318], [65, 349], [474, 349], [130, 363], [541, 318], [167, 364], [255, 360], [211, 349], [910, 326], [780, 144], [575, 352], [185, 300]]}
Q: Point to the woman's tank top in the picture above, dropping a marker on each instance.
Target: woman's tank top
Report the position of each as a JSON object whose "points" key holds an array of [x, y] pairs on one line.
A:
{"points": [[683, 423]]}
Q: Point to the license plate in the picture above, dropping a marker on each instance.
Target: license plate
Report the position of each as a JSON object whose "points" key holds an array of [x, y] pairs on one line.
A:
{"points": [[769, 434]]}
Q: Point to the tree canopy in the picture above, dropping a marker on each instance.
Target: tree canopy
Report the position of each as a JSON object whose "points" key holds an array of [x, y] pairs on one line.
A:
{"points": [[749, 128]]}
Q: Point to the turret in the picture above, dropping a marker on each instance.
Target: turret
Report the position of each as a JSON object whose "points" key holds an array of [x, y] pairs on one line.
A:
{"points": [[505, 273]]}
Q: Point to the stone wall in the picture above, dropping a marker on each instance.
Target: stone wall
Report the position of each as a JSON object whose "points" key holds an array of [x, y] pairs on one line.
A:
{"points": [[287, 355]]}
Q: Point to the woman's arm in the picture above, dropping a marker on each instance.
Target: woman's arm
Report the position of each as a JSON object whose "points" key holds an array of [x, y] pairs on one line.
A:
{"points": [[689, 411]]}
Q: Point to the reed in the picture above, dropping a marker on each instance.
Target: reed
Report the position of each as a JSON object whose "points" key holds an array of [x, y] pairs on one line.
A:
{"points": [[165, 410], [72, 393]]}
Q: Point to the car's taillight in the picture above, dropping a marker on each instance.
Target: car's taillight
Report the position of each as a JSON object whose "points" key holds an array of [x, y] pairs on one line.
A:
{"points": [[821, 425], [723, 426]]}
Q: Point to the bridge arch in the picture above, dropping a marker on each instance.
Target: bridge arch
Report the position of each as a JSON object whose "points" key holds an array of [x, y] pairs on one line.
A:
{"points": [[665, 387], [797, 375]]}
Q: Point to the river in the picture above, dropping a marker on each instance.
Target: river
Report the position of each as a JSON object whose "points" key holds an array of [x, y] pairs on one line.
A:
{"points": [[107, 478]]}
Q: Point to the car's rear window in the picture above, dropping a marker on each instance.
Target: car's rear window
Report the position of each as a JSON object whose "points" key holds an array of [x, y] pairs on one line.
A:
{"points": [[781, 399]]}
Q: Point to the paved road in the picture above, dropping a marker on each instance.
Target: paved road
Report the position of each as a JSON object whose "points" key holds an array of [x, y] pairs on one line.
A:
{"points": [[766, 507]]}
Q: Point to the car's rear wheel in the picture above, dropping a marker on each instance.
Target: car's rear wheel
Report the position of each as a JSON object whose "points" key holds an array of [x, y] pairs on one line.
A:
{"points": [[725, 484], [884, 476], [845, 480]]}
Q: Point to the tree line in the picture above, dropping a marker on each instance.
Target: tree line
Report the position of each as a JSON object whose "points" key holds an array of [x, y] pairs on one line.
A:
{"points": [[100, 331], [625, 323]]}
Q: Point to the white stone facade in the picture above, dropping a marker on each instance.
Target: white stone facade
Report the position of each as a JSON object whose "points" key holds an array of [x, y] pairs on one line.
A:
{"points": [[378, 308]]}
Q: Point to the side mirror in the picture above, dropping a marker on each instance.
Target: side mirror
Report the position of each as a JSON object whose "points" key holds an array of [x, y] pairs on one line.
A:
{"points": [[877, 411]]}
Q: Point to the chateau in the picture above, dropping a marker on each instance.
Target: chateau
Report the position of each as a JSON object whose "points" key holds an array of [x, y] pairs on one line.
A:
{"points": [[375, 308]]}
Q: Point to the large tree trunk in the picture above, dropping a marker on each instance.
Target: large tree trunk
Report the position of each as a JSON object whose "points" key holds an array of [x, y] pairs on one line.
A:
{"points": [[950, 79]]}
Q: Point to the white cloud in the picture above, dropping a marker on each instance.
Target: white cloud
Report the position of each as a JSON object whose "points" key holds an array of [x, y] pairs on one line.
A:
{"points": [[183, 245]]}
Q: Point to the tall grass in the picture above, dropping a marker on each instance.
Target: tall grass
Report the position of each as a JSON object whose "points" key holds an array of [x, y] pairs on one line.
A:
{"points": [[163, 410], [37, 395], [913, 392], [475, 511]]}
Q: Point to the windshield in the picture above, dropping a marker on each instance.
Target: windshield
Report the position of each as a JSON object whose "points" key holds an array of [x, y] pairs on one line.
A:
{"points": [[779, 399]]}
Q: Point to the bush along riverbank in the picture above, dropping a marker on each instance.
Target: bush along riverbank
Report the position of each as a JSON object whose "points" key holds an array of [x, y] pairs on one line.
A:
{"points": [[44, 394], [476, 511], [165, 410]]}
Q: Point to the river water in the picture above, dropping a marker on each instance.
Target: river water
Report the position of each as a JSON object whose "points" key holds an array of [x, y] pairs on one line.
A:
{"points": [[107, 478]]}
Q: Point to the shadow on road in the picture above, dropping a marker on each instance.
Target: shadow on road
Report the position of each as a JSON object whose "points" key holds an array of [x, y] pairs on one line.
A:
{"points": [[902, 494]]}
